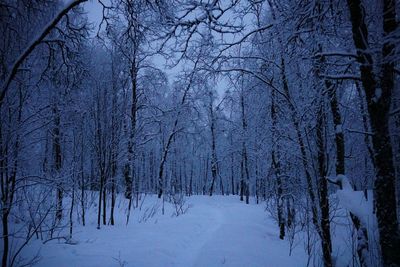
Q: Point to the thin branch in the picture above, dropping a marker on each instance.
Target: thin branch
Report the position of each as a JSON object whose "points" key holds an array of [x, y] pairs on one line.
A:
{"points": [[38, 40]]}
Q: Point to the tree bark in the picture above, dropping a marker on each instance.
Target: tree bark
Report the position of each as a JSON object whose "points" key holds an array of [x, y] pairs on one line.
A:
{"points": [[214, 161], [276, 165], [57, 162], [82, 179], [323, 190], [339, 135], [245, 179], [378, 94]]}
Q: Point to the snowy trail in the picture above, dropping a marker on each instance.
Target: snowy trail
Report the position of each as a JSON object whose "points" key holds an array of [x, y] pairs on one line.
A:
{"points": [[241, 236], [216, 231], [190, 255]]}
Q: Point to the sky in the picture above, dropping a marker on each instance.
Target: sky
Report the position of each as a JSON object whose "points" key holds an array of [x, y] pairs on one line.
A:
{"points": [[94, 12]]}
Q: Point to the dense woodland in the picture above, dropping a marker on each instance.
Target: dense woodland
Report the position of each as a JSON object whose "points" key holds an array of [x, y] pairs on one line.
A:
{"points": [[278, 102]]}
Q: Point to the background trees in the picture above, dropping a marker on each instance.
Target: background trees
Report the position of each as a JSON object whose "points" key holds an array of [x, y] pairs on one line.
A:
{"points": [[265, 99]]}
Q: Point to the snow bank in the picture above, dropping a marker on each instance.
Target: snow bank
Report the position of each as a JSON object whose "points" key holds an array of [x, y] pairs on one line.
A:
{"points": [[355, 201]]}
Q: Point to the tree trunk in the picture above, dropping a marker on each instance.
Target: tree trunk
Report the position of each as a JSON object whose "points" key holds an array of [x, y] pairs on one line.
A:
{"points": [[232, 173], [71, 222], [112, 200], [82, 180], [247, 185], [129, 171], [99, 204], [191, 180], [323, 190], [378, 103], [57, 162], [339, 136], [245, 179], [214, 161], [241, 179], [5, 238], [276, 166], [104, 192], [281, 219]]}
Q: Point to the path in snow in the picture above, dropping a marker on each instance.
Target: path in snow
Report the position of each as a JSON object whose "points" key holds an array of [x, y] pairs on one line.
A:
{"points": [[239, 235], [216, 231]]}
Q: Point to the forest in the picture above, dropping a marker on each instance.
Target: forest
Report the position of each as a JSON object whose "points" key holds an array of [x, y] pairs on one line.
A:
{"points": [[200, 133]]}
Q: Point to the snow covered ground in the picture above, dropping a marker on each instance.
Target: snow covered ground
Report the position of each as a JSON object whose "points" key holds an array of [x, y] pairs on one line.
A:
{"points": [[215, 231]]}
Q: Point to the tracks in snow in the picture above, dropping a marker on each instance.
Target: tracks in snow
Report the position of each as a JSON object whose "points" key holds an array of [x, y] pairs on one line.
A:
{"points": [[210, 220]]}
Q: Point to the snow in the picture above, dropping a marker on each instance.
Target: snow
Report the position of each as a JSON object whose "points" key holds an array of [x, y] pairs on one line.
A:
{"points": [[355, 202], [215, 231], [339, 129], [378, 94]]}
